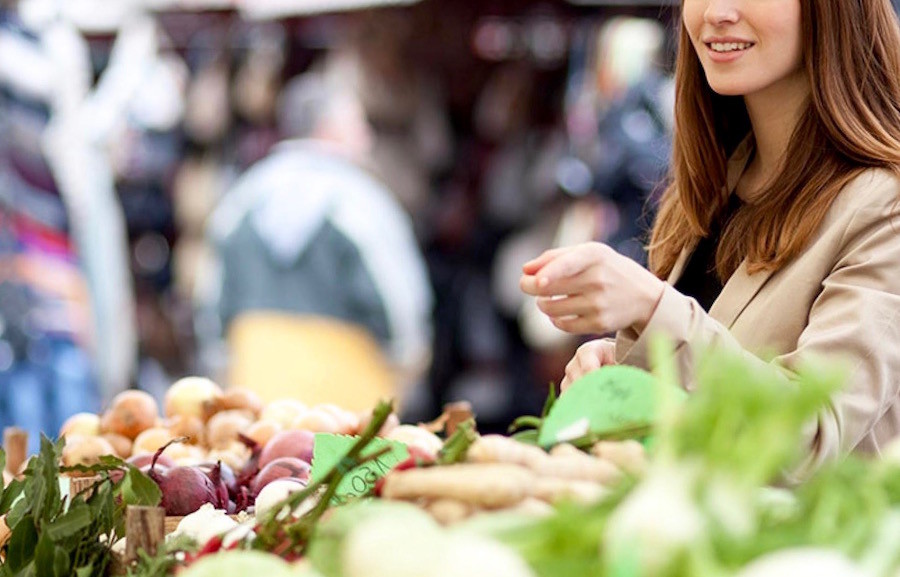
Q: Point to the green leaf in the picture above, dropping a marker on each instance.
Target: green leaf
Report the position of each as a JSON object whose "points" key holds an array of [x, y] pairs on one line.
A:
{"points": [[43, 491], [12, 493], [22, 542], [139, 489], [85, 571], [61, 562], [107, 463], [44, 555], [529, 437], [18, 512], [76, 519]]}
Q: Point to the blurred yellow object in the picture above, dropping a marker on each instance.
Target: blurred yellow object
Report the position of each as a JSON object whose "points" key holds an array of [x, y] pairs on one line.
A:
{"points": [[312, 359]]}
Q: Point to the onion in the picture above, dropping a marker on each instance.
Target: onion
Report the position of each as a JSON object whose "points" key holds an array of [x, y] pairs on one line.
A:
{"points": [[237, 398], [188, 455], [347, 422], [205, 523], [85, 451], [279, 468], [317, 421], [186, 426], [223, 427], [193, 396], [120, 444], [84, 424], [292, 443], [184, 489], [263, 431], [283, 412], [145, 459], [414, 436], [221, 472], [234, 455], [130, 413], [276, 492], [151, 440]]}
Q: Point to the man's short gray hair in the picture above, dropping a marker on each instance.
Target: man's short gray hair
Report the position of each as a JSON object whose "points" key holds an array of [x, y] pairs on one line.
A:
{"points": [[305, 101]]}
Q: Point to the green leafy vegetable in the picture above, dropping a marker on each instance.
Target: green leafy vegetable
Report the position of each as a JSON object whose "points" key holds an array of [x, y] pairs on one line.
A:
{"points": [[54, 536]]}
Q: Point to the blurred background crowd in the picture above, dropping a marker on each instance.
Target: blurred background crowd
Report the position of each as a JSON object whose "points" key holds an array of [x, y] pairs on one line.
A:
{"points": [[312, 198]]}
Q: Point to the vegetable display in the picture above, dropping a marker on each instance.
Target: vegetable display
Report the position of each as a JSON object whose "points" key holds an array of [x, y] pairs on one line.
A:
{"points": [[713, 485]]}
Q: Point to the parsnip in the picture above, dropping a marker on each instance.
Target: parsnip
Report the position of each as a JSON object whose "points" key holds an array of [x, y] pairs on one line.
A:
{"points": [[484, 485], [564, 450], [449, 511], [580, 467], [534, 507], [554, 490], [630, 456], [500, 449]]}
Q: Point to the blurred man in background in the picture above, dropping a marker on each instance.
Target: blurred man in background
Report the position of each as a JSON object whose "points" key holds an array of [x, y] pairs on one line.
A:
{"points": [[309, 235]]}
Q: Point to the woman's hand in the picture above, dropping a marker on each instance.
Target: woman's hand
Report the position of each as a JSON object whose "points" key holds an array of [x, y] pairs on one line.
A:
{"points": [[589, 357], [591, 289]]}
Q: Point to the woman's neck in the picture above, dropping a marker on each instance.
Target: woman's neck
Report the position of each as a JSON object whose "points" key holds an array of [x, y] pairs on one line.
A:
{"points": [[774, 113]]}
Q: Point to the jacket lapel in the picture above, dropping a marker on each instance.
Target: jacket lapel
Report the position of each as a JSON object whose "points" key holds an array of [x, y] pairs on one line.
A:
{"points": [[740, 289], [682, 261]]}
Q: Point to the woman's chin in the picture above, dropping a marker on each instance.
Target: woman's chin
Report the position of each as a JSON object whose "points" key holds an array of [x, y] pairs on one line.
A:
{"points": [[729, 89]]}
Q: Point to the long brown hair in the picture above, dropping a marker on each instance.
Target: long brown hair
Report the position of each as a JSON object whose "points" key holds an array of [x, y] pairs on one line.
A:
{"points": [[851, 57]]}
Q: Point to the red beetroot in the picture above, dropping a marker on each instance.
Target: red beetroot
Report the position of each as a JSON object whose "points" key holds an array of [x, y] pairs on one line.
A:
{"points": [[225, 474], [279, 468], [184, 489], [291, 443]]}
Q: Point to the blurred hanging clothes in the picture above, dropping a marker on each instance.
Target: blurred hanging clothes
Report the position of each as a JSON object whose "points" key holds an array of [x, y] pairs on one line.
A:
{"points": [[46, 332]]}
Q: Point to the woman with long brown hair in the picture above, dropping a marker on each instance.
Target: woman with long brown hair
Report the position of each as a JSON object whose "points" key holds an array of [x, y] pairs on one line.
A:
{"points": [[779, 232]]}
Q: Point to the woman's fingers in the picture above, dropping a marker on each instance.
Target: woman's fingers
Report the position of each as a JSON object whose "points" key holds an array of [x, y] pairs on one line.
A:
{"points": [[578, 325], [533, 266], [588, 358], [553, 271], [575, 305]]}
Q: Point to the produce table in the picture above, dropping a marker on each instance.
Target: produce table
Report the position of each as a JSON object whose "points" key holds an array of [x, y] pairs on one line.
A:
{"points": [[624, 476]]}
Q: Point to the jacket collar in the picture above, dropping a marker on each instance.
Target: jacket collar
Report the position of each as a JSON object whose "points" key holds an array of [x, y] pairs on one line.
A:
{"points": [[742, 287]]}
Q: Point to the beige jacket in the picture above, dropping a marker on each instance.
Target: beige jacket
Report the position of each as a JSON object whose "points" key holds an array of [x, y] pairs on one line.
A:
{"points": [[839, 299]]}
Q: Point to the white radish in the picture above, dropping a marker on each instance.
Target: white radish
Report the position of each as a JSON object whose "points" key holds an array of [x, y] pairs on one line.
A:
{"points": [[803, 562], [657, 521]]}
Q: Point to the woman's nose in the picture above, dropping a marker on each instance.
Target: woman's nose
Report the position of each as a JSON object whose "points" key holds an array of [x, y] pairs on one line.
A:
{"points": [[720, 12]]}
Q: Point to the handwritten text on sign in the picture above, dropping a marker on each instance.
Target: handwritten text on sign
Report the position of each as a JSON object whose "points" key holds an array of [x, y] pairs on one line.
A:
{"points": [[330, 449]]}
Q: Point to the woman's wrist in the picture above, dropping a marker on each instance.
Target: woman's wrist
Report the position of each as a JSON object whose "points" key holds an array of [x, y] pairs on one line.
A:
{"points": [[650, 299]]}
